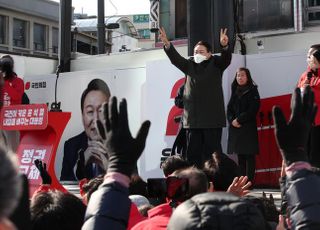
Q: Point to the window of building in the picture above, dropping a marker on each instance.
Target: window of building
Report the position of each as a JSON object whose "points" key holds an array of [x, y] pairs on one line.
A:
{"points": [[39, 37], [144, 33], [20, 32], [55, 40], [260, 15], [181, 19], [313, 12], [3, 29]]}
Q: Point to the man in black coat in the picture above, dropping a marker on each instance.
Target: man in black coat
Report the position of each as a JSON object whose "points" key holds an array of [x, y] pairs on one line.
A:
{"points": [[204, 112]]}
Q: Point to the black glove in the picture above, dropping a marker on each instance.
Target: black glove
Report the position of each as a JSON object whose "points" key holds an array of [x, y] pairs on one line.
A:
{"points": [[292, 136], [123, 150], [180, 143], [178, 100], [42, 167]]}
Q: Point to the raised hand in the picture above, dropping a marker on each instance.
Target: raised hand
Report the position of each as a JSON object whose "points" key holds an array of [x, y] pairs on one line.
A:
{"points": [[42, 167], [123, 150], [163, 37], [240, 186], [97, 153], [292, 136], [224, 40]]}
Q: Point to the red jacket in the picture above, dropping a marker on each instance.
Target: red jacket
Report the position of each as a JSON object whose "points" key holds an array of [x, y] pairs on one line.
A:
{"points": [[134, 217], [158, 218], [315, 85], [13, 90]]}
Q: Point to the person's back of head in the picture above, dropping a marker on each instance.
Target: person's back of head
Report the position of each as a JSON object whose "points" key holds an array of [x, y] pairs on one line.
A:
{"points": [[173, 163], [266, 206], [10, 187], [56, 210], [216, 211], [197, 179], [139, 200], [11, 184], [221, 170], [91, 186], [137, 185], [144, 209]]}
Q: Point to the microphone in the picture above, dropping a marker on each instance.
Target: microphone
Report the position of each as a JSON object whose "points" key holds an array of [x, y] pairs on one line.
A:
{"points": [[309, 76], [177, 119], [55, 106], [58, 70]]}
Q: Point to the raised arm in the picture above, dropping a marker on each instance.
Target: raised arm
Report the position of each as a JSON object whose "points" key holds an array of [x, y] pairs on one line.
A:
{"points": [[303, 186], [224, 60], [175, 58], [109, 205]]}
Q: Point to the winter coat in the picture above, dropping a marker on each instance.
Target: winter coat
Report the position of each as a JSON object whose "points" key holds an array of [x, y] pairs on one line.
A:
{"points": [[203, 95], [243, 140], [215, 211], [158, 218], [302, 193], [108, 208], [13, 90]]}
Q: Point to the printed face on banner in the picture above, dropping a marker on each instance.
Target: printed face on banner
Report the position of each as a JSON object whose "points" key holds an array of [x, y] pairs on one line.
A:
{"points": [[92, 110]]}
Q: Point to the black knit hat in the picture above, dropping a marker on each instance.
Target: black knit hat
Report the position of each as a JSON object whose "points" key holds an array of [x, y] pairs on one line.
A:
{"points": [[217, 211]]}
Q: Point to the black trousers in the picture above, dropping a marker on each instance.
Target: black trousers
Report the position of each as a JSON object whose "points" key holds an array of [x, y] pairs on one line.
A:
{"points": [[247, 164], [201, 144], [313, 148]]}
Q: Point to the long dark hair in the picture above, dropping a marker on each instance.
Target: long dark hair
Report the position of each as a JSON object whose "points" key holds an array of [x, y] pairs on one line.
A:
{"points": [[250, 82], [6, 66], [315, 46]]}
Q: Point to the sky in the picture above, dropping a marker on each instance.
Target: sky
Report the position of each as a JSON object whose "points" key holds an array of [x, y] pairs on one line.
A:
{"points": [[112, 7]]}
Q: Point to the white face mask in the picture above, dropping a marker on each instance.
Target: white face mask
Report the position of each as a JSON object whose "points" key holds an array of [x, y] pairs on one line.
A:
{"points": [[198, 58]]}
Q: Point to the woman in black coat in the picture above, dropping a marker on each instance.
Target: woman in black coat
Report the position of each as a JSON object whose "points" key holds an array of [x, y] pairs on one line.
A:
{"points": [[241, 114]]}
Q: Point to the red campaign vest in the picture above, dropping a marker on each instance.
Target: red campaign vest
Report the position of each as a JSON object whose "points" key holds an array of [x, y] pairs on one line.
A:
{"points": [[12, 91], [315, 85]]}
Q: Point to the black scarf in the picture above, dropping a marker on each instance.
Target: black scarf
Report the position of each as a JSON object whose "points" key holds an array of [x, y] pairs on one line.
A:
{"points": [[241, 89]]}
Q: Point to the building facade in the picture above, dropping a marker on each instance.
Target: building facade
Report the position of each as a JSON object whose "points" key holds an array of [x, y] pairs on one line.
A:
{"points": [[29, 27], [260, 25]]}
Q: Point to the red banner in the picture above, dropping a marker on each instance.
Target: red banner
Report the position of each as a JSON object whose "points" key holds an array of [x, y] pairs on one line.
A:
{"points": [[30, 153], [24, 117]]}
